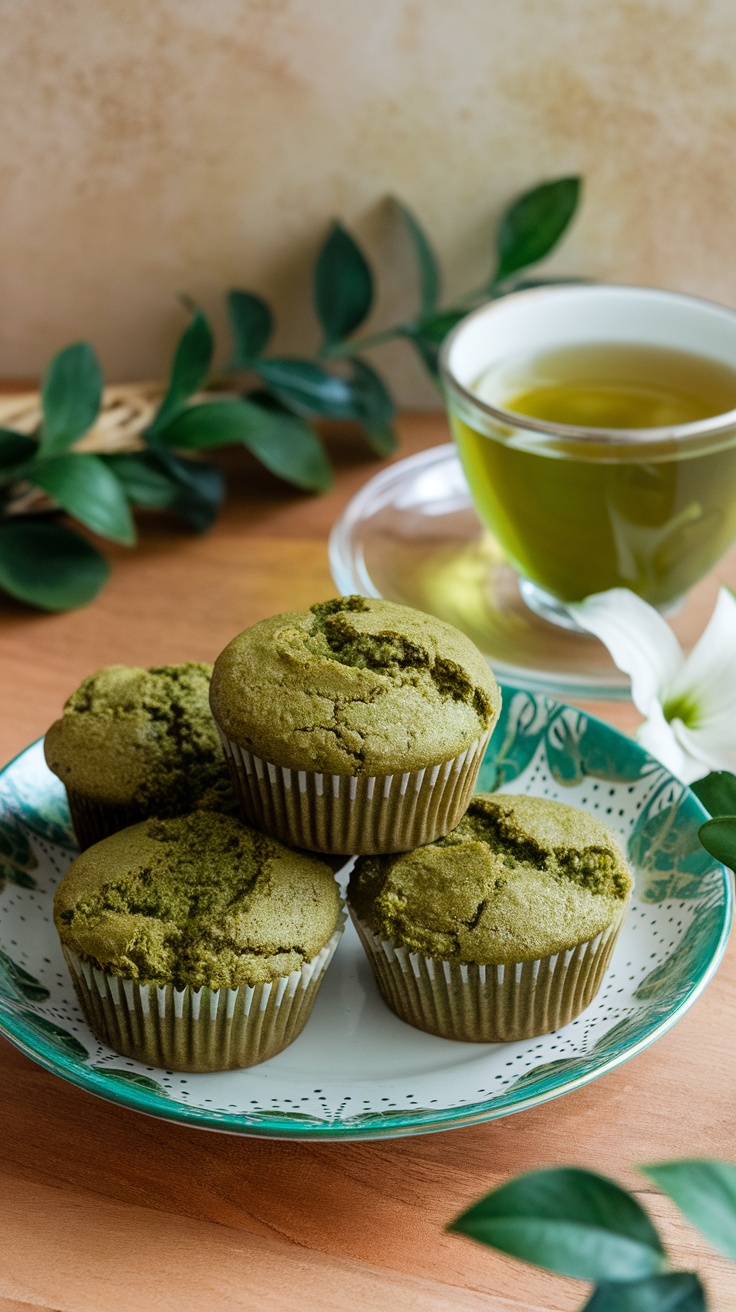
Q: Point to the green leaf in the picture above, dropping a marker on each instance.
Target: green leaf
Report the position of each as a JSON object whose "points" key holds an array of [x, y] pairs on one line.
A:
{"points": [[373, 407], [15, 448], [718, 837], [281, 441], [146, 483], [705, 1191], [290, 449], [429, 274], [343, 285], [189, 369], [214, 423], [428, 335], [306, 387], [200, 487], [678, 1291], [532, 226], [717, 792], [71, 394], [252, 324], [569, 1221], [48, 565], [86, 488]]}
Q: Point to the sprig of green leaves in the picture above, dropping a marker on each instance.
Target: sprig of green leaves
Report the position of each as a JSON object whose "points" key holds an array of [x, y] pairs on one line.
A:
{"points": [[48, 563], [338, 383], [580, 1224]]}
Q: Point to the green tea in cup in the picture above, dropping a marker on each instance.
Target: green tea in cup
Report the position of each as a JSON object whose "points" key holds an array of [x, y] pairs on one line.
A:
{"points": [[597, 430]]}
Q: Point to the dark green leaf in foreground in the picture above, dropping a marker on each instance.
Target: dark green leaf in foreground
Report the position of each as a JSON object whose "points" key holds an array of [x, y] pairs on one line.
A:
{"points": [[717, 792], [281, 441], [343, 285], [189, 369], [679, 1291], [87, 488], [533, 224], [306, 387], [718, 837], [706, 1192], [15, 448], [373, 407], [251, 322], [429, 274], [570, 1221], [71, 394], [48, 565]]}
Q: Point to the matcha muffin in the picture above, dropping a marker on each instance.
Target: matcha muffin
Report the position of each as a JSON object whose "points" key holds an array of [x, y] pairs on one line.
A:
{"points": [[356, 726], [500, 931], [132, 743], [195, 943]]}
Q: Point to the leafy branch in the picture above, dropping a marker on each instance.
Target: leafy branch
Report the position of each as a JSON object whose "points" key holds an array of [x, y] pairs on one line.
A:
{"points": [[266, 403], [580, 1224]]}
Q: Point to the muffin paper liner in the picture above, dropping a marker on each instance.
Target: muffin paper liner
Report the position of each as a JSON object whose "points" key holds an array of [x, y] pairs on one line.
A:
{"points": [[354, 813], [94, 821], [489, 1004], [199, 1029]]}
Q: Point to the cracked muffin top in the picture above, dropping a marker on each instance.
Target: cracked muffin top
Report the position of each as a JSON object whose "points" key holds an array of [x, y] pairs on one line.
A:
{"points": [[354, 686], [518, 879], [131, 736], [196, 900]]}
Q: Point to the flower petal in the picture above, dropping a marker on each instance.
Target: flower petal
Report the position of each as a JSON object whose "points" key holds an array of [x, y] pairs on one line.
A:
{"points": [[640, 641], [711, 746], [707, 678], [657, 737]]}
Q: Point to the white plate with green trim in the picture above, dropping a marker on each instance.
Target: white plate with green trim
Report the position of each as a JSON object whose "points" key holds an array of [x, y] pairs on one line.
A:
{"points": [[357, 1071]]}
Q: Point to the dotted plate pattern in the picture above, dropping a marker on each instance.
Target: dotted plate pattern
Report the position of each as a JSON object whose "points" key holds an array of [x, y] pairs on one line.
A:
{"points": [[357, 1071]]}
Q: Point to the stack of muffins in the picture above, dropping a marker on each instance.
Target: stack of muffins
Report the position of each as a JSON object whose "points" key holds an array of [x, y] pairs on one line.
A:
{"points": [[197, 939]]}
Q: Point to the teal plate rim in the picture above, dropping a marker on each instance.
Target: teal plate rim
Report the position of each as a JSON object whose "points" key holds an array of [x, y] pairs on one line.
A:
{"points": [[26, 1038]]}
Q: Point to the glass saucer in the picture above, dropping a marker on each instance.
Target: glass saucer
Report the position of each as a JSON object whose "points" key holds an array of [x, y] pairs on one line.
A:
{"points": [[412, 535]]}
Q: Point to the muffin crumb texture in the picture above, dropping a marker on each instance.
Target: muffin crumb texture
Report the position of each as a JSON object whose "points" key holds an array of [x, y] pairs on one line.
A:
{"points": [[354, 686], [144, 737], [520, 878], [197, 900]]}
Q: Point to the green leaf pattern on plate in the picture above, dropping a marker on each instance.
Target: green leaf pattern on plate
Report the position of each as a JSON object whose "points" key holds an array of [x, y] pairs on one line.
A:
{"points": [[17, 858], [132, 1077], [17, 984]]}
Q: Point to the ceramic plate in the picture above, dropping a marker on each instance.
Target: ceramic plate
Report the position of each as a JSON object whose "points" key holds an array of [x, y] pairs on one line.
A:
{"points": [[357, 1072]]}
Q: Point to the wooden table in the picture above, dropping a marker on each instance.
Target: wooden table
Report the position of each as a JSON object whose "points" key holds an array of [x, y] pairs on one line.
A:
{"points": [[103, 1210]]}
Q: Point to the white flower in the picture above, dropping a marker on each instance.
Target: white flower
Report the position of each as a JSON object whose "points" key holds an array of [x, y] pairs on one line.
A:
{"points": [[689, 702]]}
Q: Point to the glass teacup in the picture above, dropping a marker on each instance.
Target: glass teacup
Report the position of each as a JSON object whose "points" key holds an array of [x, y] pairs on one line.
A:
{"points": [[576, 509]]}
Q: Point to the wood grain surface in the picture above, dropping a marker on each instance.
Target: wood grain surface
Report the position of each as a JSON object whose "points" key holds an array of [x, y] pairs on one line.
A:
{"points": [[103, 1210]]}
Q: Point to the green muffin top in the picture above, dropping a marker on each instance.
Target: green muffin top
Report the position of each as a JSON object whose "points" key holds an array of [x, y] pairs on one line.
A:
{"points": [[196, 900], [518, 879], [130, 736], [354, 686]]}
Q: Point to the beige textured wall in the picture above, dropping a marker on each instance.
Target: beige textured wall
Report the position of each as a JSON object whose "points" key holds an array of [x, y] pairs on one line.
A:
{"points": [[149, 147]]}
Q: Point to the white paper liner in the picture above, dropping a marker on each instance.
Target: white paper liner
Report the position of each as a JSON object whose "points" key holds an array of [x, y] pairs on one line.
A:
{"points": [[355, 814], [493, 1003], [199, 1029]]}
